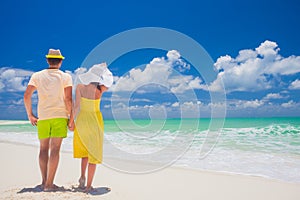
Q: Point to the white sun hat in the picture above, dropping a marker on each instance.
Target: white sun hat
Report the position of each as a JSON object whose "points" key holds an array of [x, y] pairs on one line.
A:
{"points": [[54, 53], [97, 73]]}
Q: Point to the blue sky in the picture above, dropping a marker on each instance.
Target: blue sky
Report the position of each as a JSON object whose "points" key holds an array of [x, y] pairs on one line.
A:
{"points": [[255, 47]]}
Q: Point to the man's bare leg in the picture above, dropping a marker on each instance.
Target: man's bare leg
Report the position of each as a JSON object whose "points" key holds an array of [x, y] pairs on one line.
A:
{"points": [[43, 159], [55, 144]]}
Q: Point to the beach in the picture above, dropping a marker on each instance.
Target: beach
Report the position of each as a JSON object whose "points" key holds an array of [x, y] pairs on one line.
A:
{"points": [[20, 175]]}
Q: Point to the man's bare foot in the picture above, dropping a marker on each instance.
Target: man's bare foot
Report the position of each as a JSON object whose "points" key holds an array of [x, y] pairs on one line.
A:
{"points": [[53, 188], [41, 186]]}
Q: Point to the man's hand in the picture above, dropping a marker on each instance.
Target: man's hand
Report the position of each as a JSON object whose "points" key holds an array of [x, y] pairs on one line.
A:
{"points": [[33, 120]]}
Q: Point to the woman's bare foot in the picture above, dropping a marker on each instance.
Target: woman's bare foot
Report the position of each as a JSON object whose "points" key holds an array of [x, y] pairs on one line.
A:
{"points": [[81, 182], [88, 189]]}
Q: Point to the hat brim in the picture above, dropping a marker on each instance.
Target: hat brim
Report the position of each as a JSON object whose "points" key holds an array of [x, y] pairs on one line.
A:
{"points": [[55, 56], [107, 79], [88, 78]]}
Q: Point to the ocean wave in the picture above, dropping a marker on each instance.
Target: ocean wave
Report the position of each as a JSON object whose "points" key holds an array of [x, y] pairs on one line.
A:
{"points": [[273, 129], [13, 122]]}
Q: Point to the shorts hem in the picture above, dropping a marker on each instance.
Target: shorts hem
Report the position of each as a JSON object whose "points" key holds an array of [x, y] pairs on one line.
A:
{"points": [[52, 137]]}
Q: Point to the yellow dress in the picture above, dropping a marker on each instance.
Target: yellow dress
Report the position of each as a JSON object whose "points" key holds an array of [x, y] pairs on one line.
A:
{"points": [[89, 131]]}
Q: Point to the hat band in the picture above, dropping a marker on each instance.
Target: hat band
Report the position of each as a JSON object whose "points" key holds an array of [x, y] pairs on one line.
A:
{"points": [[55, 56]]}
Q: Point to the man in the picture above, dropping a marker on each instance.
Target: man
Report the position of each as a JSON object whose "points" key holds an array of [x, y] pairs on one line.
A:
{"points": [[54, 89]]}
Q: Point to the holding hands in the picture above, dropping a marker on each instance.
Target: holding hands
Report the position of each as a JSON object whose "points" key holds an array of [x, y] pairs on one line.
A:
{"points": [[71, 125]]}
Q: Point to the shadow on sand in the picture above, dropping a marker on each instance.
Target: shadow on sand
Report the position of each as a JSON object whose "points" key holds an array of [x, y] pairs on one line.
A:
{"points": [[39, 188], [94, 191]]}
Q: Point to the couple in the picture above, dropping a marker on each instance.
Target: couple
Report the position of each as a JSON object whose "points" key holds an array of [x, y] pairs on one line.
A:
{"points": [[54, 89]]}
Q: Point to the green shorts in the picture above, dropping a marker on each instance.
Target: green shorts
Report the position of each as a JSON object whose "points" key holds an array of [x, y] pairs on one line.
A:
{"points": [[50, 128]]}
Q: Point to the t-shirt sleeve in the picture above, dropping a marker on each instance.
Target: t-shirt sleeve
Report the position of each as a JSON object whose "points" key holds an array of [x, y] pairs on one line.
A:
{"points": [[33, 80], [68, 80]]}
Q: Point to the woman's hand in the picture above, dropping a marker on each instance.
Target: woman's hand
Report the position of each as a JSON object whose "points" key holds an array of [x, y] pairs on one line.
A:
{"points": [[71, 125]]}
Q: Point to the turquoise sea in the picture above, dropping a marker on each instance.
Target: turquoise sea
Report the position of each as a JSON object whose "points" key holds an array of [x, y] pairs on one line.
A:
{"points": [[268, 147]]}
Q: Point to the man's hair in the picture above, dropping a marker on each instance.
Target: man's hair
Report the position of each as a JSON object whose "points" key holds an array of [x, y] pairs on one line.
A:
{"points": [[54, 61]]}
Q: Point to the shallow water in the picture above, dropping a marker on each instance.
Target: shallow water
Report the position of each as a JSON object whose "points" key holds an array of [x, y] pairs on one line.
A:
{"points": [[268, 147]]}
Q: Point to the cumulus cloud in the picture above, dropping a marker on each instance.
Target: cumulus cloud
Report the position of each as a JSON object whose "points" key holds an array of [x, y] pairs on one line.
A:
{"points": [[249, 104], [254, 70], [18, 102], [289, 104], [158, 110], [162, 71], [176, 104], [273, 96], [13, 80], [79, 70], [295, 85]]}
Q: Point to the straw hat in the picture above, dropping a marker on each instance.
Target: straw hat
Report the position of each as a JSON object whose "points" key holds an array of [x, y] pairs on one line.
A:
{"points": [[54, 53], [97, 73]]}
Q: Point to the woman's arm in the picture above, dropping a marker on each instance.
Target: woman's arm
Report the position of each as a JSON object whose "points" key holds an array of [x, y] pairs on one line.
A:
{"points": [[103, 88]]}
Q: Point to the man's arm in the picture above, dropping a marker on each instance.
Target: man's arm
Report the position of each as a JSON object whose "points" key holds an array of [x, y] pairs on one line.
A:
{"points": [[27, 101], [68, 99]]}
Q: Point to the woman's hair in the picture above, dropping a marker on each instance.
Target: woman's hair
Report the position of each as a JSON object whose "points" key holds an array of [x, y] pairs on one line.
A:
{"points": [[54, 61], [96, 84]]}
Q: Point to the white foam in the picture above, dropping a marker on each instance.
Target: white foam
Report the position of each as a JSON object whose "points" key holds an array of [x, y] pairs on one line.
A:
{"points": [[13, 122]]}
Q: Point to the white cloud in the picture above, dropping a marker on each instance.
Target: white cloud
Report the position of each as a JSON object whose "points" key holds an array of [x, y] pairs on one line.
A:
{"points": [[158, 110], [284, 66], [140, 100], [245, 55], [261, 108], [79, 70], [196, 83], [251, 70], [179, 84], [1, 85], [163, 72], [289, 104], [187, 104], [267, 49], [176, 104], [107, 106], [14, 80], [273, 96], [295, 85], [173, 55], [18, 102], [249, 104]]}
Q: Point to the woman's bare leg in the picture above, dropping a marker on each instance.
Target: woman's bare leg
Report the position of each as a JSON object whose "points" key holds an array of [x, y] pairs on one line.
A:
{"points": [[84, 162], [91, 173]]}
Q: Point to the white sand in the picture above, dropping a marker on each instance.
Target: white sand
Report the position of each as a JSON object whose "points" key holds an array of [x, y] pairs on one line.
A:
{"points": [[20, 173]]}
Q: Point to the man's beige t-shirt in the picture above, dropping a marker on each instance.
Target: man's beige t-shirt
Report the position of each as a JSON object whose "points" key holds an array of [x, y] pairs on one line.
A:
{"points": [[50, 84]]}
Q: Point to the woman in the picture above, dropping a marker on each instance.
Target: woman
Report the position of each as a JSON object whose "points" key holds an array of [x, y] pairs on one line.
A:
{"points": [[89, 127]]}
